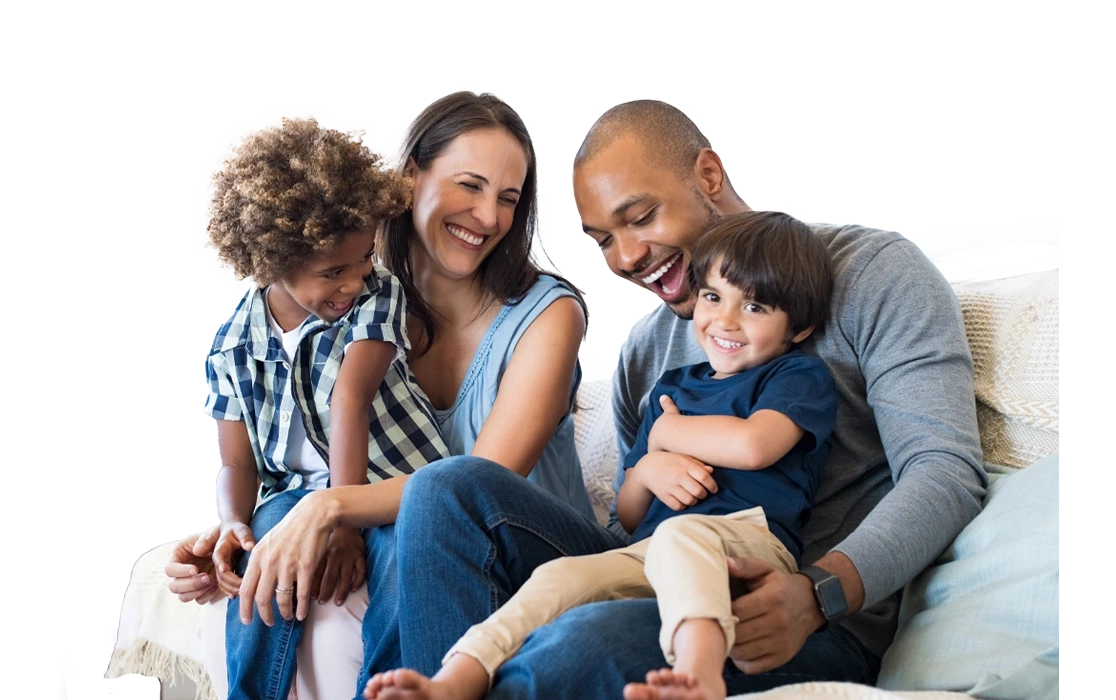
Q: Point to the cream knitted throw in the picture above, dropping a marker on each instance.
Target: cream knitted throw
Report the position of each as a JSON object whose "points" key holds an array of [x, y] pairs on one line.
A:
{"points": [[1012, 327]]}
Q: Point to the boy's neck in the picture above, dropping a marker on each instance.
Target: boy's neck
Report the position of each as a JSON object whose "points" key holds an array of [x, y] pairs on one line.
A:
{"points": [[283, 309]]}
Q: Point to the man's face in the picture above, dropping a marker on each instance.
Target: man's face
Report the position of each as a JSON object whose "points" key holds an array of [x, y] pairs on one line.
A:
{"points": [[645, 218]]}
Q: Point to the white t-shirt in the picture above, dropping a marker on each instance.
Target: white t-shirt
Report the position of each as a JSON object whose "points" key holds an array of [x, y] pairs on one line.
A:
{"points": [[301, 455]]}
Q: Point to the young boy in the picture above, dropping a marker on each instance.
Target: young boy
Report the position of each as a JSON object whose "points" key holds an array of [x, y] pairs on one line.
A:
{"points": [[308, 379], [735, 444]]}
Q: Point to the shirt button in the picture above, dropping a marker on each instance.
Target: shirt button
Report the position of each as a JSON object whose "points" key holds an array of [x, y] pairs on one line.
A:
{"points": [[285, 416]]}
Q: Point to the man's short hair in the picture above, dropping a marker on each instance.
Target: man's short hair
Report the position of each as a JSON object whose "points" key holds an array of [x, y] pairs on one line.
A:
{"points": [[773, 257], [666, 134]]}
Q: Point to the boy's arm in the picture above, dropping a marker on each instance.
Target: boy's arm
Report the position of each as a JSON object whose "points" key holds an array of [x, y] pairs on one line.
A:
{"points": [[749, 443], [362, 371], [237, 483]]}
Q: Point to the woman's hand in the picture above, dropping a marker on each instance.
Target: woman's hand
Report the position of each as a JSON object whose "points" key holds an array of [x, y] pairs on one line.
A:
{"points": [[283, 562], [190, 568], [343, 568]]}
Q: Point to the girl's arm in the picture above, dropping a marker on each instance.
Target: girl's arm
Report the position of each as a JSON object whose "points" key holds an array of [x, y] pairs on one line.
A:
{"points": [[534, 393], [749, 443], [362, 371]]}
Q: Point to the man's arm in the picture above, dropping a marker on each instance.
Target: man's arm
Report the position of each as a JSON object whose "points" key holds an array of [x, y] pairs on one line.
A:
{"points": [[918, 373]]}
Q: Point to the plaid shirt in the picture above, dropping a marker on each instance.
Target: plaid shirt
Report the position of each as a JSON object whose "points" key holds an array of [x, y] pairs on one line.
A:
{"points": [[250, 380]]}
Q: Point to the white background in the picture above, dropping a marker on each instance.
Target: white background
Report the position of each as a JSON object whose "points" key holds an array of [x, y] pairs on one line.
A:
{"points": [[955, 124]]}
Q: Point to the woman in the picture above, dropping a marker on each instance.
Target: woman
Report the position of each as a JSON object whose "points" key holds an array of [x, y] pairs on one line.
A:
{"points": [[495, 349]]}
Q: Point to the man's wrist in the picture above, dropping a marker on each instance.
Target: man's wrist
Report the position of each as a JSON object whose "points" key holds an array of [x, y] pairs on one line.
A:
{"points": [[829, 595]]}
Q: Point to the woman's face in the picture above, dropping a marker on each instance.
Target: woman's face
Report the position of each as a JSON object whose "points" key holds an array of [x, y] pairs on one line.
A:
{"points": [[465, 201]]}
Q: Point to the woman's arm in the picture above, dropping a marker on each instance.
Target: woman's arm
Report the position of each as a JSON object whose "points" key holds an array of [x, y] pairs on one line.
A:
{"points": [[534, 393]]}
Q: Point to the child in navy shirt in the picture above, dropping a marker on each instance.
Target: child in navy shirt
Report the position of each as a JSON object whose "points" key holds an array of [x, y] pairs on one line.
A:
{"points": [[726, 464]]}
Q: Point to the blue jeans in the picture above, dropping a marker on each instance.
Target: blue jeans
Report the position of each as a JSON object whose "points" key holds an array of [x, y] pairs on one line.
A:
{"points": [[483, 531], [261, 660]]}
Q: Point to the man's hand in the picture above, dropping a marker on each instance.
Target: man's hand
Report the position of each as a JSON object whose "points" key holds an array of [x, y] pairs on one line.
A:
{"points": [[679, 481], [190, 568], [234, 537], [776, 615], [342, 569]]}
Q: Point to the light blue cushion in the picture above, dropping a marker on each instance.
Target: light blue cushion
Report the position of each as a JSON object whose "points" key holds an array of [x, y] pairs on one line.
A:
{"points": [[984, 618]]}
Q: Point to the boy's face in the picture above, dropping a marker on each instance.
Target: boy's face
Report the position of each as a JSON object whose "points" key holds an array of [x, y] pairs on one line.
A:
{"points": [[736, 332], [326, 286]]}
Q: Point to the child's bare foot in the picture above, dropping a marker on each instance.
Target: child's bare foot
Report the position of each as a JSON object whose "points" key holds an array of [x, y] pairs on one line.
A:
{"points": [[403, 684], [667, 684]]}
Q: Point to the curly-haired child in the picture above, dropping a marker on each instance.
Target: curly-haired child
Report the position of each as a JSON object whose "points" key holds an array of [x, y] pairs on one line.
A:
{"points": [[308, 378], [726, 464]]}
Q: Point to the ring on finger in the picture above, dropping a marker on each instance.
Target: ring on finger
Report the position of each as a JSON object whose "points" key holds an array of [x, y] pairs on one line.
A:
{"points": [[279, 589]]}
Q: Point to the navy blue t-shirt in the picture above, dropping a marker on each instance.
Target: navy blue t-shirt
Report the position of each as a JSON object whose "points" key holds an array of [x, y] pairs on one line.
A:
{"points": [[795, 384]]}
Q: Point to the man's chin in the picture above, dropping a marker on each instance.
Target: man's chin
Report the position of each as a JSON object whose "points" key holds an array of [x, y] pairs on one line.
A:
{"points": [[684, 309]]}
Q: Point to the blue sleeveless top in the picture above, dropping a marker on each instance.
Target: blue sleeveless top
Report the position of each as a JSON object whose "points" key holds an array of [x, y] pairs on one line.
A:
{"points": [[558, 469]]}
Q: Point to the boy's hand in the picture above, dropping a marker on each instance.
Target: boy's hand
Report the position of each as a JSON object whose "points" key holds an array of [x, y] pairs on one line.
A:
{"points": [[234, 537], [679, 481], [190, 568], [342, 570], [670, 411]]}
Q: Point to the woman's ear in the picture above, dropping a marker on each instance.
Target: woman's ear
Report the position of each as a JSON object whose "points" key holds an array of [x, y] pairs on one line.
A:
{"points": [[411, 169]]}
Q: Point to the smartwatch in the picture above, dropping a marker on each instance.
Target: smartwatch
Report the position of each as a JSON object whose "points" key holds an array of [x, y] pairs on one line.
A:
{"points": [[828, 592]]}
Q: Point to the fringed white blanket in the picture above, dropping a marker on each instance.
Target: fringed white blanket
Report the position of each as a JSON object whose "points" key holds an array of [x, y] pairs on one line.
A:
{"points": [[158, 634], [845, 691]]}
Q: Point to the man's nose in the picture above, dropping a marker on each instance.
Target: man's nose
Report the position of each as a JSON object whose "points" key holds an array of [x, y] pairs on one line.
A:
{"points": [[630, 253]]}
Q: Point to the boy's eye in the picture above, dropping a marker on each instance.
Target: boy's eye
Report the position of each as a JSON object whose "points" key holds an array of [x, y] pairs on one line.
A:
{"points": [[331, 274], [711, 297], [754, 308]]}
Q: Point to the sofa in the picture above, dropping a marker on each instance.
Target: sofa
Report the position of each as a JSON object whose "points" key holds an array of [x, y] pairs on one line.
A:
{"points": [[981, 621]]}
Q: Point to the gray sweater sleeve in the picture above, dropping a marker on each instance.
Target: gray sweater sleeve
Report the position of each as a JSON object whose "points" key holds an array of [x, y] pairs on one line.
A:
{"points": [[905, 323]]}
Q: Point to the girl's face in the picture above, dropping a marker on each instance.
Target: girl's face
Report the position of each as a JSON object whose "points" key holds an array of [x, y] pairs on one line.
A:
{"points": [[465, 201]]}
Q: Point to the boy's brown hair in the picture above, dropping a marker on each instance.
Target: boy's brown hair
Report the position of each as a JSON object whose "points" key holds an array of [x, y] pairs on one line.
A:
{"points": [[291, 193], [776, 259]]}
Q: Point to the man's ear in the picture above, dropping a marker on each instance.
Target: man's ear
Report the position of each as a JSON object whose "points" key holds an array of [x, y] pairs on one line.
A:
{"points": [[710, 174], [802, 335]]}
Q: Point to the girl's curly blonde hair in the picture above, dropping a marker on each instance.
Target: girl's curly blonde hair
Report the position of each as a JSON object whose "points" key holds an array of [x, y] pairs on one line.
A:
{"points": [[289, 194]]}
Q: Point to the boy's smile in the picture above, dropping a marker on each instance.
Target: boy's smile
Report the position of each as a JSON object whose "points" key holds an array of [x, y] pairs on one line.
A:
{"points": [[326, 286], [735, 331]]}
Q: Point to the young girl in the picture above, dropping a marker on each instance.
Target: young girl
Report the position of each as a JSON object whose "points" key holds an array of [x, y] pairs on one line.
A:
{"points": [[308, 379], [738, 443]]}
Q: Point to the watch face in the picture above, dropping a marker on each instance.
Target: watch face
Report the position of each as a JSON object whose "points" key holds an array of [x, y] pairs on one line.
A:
{"points": [[831, 597]]}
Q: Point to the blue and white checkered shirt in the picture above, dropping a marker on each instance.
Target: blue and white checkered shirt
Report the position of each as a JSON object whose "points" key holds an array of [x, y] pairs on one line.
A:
{"points": [[250, 380]]}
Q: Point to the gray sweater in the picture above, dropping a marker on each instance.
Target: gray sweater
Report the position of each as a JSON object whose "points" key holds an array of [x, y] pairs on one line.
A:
{"points": [[904, 475]]}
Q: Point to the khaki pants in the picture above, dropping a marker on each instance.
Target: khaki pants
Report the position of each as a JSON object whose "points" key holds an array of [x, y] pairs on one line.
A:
{"points": [[682, 564]]}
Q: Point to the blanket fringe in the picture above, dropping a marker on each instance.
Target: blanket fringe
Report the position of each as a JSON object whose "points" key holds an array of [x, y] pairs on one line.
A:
{"points": [[150, 659]]}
